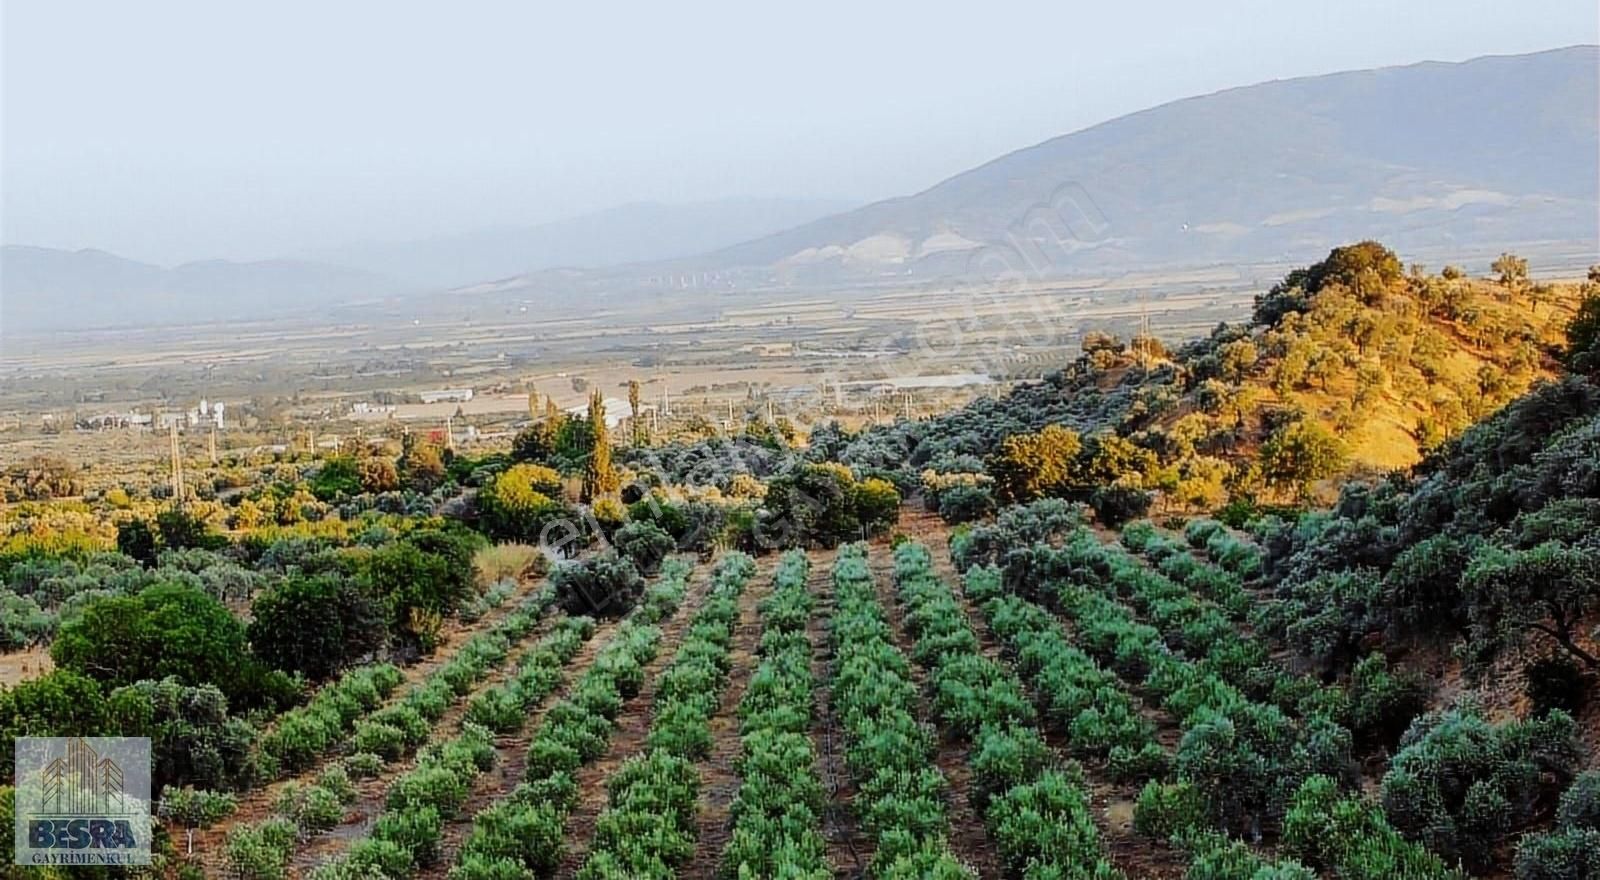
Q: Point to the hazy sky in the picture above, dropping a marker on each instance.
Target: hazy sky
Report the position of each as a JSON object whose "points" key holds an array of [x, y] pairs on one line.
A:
{"points": [[170, 131]]}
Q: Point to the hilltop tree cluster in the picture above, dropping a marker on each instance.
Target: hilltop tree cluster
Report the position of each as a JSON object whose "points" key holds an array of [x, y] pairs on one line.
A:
{"points": [[1352, 362]]}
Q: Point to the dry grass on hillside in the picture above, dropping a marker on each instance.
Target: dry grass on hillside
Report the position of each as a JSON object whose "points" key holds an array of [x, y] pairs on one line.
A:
{"points": [[508, 561]]}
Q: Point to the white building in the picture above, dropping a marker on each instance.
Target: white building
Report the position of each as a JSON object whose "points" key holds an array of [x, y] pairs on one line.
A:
{"points": [[616, 411], [447, 395]]}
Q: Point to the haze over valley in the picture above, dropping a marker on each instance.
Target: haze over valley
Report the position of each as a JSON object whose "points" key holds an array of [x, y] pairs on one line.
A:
{"points": [[1454, 160]]}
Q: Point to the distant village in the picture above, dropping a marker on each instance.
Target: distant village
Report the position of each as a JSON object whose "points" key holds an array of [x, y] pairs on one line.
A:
{"points": [[204, 416]]}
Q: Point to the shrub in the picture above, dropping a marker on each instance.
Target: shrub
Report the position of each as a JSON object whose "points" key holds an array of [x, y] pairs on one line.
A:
{"points": [[1215, 857], [363, 765], [877, 505], [901, 791], [966, 503], [604, 586], [1348, 837], [1580, 804], [383, 740], [260, 851], [1461, 784], [311, 808], [520, 502], [1382, 703], [1046, 822], [195, 808], [1566, 854], [1164, 811], [526, 835], [415, 832], [644, 544], [1116, 504], [777, 811]]}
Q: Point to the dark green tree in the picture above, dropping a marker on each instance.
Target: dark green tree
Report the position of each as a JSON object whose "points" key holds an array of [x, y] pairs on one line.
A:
{"points": [[182, 530], [315, 625], [165, 630], [645, 544], [428, 571], [61, 702], [137, 541], [339, 477], [1548, 590], [1583, 332]]}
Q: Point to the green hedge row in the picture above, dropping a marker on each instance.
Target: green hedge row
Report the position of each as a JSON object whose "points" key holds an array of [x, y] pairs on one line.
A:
{"points": [[648, 827], [524, 833], [1173, 559], [777, 814], [423, 799], [1086, 702], [1036, 812], [348, 712], [900, 796], [1228, 550]]}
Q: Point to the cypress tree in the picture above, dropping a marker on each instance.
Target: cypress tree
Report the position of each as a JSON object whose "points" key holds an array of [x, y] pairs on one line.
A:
{"points": [[633, 410], [599, 479]]}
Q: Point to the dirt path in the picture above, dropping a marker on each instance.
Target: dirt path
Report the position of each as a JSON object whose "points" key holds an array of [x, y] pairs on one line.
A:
{"points": [[969, 839], [849, 847], [511, 759], [258, 804], [633, 725], [719, 783], [1111, 802]]}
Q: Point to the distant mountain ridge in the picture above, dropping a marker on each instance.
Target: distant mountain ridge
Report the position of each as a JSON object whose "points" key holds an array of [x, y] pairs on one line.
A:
{"points": [[47, 288], [1500, 149], [632, 233], [1461, 158]]}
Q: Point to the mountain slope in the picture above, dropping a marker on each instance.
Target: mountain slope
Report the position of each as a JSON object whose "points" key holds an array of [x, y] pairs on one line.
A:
{"points": [[1492, 151], [625, 234], [46, 288]]}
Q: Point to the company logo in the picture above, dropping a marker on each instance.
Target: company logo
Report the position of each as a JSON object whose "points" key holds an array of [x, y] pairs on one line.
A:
{"points": [[83, 800]]}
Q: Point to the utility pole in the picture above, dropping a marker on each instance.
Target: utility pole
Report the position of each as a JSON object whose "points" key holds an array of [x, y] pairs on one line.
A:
{"points": [[908, 405], [449, 433], [213, 444], [177, 465], [1142, 342]]}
